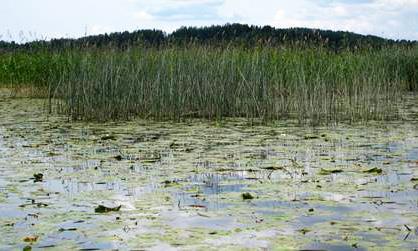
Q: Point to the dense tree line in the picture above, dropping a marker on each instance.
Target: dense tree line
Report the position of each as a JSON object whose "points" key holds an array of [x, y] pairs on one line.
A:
{"points": [[8, 46], [267, 35], [217, 35]]}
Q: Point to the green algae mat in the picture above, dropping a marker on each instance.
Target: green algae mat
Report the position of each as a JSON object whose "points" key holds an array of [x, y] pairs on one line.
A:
{"points": [[201, 185]]}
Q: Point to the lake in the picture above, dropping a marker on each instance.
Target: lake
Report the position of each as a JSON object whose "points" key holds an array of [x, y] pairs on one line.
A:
{"points": [[205, 185]]}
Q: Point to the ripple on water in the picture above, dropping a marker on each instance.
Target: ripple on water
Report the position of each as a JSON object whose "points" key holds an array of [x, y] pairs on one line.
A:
{"points": [[183, 183]]}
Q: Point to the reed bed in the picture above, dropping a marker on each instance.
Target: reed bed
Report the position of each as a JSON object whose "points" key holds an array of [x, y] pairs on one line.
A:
{"points": [[173, 83]]}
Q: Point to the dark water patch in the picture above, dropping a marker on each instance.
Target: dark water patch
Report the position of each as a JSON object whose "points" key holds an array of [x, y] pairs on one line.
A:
{"points": [[332, 247], [71, 187]]}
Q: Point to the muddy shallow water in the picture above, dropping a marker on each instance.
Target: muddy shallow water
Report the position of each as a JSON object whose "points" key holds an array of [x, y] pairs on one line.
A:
{"points": [[181, 185]]}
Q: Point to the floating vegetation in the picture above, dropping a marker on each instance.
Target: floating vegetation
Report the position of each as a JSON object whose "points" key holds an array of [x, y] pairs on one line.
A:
{"points": [[247, 196], [118, 157], [327, 172], [108, 137], [241, 186], [31, 239], [374, 170], [104, 209], [38, 177]]}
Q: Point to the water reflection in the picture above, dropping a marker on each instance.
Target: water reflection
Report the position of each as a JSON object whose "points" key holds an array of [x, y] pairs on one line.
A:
{"points": [[182, 181]]}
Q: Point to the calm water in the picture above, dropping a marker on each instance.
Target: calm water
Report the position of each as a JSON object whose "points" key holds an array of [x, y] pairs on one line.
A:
{"points": [[180, 185]]}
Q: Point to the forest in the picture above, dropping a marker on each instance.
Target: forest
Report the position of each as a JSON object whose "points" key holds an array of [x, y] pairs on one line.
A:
{"points": [[219, 35]]}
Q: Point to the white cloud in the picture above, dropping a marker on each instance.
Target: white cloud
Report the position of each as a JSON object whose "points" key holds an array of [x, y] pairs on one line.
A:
{"points": [[389, 18], [394, 18], [143, 16], [98, 29]]}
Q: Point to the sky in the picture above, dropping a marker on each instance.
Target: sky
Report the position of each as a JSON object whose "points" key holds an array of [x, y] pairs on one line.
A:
{"points": [[26, 20]]}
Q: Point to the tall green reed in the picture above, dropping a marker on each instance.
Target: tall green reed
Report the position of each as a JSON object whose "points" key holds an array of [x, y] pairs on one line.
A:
{"points": [[312, 84]]}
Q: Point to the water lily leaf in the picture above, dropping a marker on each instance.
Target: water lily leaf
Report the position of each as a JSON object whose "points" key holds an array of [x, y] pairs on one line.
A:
{"points": [[27, 248], [203, 215], [104, 209], [38, 177], [247, 196], [118, 157], [197, 206], [374, 170], [31, 238], [307, 137], [328, 172], [108, 137], [67, 229], [170, 183], [304, 231], [273, 168]]}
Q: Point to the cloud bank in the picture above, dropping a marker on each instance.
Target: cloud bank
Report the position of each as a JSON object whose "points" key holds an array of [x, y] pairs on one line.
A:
{"points": [[397, 19]]}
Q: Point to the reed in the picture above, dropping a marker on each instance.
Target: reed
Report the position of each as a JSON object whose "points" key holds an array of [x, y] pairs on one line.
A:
{"points": [[312, 85]]}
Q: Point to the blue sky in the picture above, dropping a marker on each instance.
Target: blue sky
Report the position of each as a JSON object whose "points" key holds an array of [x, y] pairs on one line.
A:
{"points": [[24, 20]]}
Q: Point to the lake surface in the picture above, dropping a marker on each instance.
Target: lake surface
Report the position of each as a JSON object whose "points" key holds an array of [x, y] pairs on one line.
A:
{"points": [[181, 185]]}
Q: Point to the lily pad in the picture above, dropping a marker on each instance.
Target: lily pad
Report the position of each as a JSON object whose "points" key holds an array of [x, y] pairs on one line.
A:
{"points": [[169, 183], [308, 137], [27, 248], [374, 170], [304, 231], [104, 209], [328, 172], [67, 229], [247, 196], [38, 177], [31, 238], [108, 137], [273, 168], [118, 157]]}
